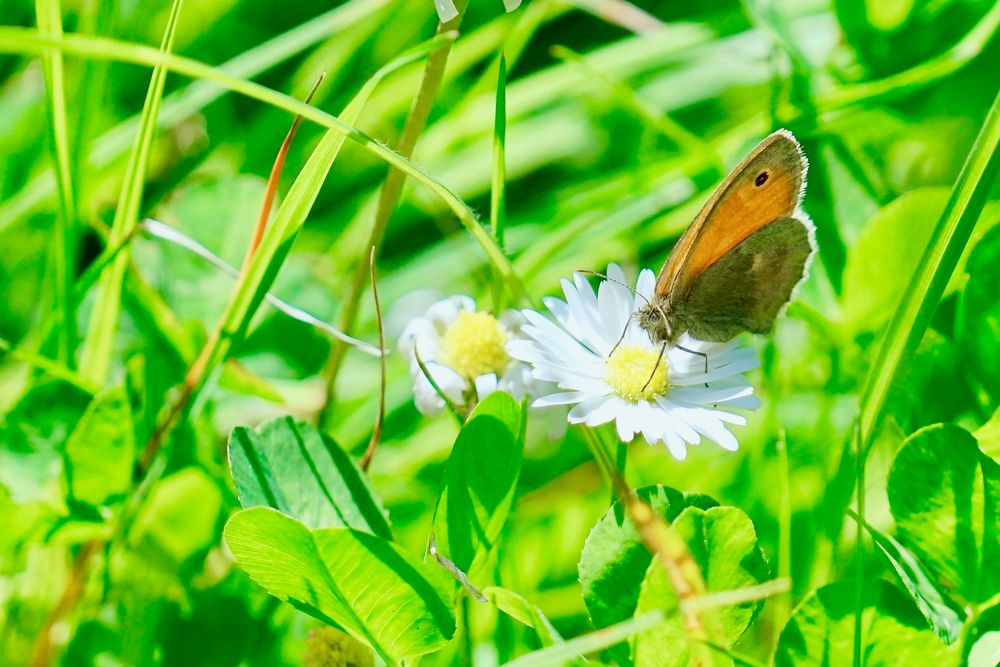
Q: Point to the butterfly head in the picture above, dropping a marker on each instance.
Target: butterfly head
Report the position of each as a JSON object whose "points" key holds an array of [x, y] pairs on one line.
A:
{"points": [[654, 318]]}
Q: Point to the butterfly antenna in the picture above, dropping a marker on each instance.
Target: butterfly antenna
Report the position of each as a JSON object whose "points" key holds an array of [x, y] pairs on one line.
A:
{"points": [[616, 282]]}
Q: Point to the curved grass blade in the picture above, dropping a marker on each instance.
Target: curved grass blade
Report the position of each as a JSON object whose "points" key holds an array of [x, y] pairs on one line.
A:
{"points": [[21, 41], [913, 314]]}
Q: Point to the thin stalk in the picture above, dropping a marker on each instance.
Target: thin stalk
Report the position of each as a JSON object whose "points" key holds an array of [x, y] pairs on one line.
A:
{"points": [[388, 199], [784, 530], [498, 195], [621, 461], [380, 419], [859, 556], [50, 23], [41, 652], [498, 184], [272, 181], [565, 652], [448, 403]]}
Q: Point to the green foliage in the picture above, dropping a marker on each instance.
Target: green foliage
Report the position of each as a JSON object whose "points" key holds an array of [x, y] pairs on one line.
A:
{"points": [[724, 544], [363, 583], [918, 583], [180, 518], [517, 607], [945, 496], [821, 629]]}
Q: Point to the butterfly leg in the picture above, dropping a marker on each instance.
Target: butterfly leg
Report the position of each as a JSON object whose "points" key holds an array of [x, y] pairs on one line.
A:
{"points": [[700, 354], [656, 366]]}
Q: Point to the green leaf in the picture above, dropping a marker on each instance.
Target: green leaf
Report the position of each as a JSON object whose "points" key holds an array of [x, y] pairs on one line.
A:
{"points": [[944, 496], [820, 632], [520, 609], [665, 643], [362, 583], [986, 651], [480, 481], [287, 464], [614, 561], [944, 620], [100, 453], [724, 544], [180, 518]]}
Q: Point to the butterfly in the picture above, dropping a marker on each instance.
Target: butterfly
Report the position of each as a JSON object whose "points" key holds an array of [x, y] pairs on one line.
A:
{"points": [[739, 262]]}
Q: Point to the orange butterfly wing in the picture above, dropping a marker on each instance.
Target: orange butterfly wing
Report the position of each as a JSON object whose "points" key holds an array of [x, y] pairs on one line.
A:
{"points": [[765, 187]]}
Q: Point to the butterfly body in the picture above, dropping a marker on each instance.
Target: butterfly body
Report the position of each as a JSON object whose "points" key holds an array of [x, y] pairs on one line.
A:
{"points": [[739, 262]]}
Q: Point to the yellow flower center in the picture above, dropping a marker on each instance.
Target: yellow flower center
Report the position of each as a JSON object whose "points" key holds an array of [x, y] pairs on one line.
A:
{"points": [[630, 373], [474, 344]]}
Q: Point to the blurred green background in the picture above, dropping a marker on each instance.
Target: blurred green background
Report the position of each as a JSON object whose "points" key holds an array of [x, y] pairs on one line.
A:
{"points": [[621, 119]]}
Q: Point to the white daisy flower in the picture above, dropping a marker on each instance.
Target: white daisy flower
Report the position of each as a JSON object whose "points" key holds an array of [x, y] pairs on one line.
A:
{"points": [[676, 403], [464, 351]]}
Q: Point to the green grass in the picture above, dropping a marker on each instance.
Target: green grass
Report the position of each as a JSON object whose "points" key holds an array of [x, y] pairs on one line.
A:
{"points": [[491, 156]]}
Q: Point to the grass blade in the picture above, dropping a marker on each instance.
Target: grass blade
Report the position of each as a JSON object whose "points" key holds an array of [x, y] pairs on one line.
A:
{"points": [[559, 654], [96, 356], [50, 23], [913, 315], [498, 198]]}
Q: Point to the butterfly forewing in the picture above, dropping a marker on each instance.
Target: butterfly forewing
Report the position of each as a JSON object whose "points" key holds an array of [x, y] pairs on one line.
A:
{"points": [[765, 187]]}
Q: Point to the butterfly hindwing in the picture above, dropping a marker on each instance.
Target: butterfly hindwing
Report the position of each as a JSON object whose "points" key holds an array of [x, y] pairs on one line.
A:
{"points": [[745, 289]]}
